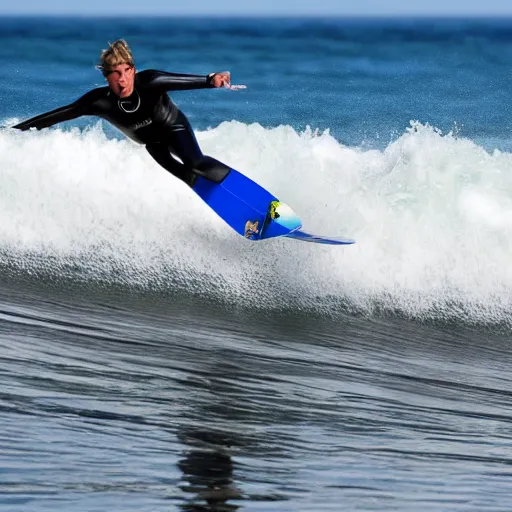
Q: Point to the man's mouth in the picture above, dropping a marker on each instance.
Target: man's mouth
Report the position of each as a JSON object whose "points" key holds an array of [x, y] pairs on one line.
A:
{"points": [[123, 91]]}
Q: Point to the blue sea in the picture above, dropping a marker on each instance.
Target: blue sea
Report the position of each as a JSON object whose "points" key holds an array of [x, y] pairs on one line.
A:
{"points": [[151, 359]]}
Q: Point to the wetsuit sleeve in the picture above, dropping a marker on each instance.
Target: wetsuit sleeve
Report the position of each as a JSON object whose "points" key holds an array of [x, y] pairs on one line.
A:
{"points": [[174, 81], [81, 107]]}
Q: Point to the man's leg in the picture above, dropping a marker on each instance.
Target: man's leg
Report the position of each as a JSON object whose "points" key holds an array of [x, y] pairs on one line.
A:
{"points": [[183, 143], [161, 153]]}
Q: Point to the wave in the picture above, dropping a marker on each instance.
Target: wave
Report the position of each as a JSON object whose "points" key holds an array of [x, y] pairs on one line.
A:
{"points": [[431, 213]]}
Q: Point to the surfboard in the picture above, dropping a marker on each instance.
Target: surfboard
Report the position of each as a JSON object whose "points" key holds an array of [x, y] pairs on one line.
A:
{"points": [[253, 212]]}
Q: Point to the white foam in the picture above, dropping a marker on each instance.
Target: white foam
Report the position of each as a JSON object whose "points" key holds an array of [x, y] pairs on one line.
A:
{"points": [[431, 214]]}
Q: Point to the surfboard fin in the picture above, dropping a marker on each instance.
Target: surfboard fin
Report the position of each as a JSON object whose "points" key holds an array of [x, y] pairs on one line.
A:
{"points": [[318, 239]]}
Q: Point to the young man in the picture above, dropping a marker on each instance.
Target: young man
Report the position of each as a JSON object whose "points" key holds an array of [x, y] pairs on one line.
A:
{"points": [[137, 104]]}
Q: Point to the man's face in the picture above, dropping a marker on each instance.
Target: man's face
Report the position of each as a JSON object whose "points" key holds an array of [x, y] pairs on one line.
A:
{"points": [[121, 80]]}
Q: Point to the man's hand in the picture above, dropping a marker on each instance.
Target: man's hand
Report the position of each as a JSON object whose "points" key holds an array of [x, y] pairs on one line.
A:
{"points": [[221, 79]]}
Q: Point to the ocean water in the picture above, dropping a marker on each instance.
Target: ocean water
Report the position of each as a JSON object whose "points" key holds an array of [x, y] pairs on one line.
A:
{"points": [[153, 360]]}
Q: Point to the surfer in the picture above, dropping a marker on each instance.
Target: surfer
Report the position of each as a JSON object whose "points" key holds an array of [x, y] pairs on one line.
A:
{"points": [[137, 104]]}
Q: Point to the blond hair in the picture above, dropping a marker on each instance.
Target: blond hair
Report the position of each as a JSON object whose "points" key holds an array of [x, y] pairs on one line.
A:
{"points": [[117, 53]]}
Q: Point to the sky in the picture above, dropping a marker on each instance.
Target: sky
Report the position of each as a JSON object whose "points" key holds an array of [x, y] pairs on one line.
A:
{"points": [[260, 7]]}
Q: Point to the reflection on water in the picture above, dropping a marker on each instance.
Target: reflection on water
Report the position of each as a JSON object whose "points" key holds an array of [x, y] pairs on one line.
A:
{"points": [[207, 471]]}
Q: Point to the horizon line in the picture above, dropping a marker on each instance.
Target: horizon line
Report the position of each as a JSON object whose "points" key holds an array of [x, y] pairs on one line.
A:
{"points": [[260, 15]]}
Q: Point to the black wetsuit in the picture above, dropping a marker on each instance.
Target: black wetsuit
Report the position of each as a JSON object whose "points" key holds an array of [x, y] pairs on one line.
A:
{"points": [[149, 117]]}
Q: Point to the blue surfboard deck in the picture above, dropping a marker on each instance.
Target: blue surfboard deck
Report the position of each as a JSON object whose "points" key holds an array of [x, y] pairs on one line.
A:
{"points": [[253, 212], [245, 206]]}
